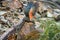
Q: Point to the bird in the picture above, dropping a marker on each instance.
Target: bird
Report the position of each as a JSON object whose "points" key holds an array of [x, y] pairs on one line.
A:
{"points": [[30, 10]]}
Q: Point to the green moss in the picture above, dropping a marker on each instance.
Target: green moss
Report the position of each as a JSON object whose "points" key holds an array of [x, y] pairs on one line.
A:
{"points": [[50, 29]]}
